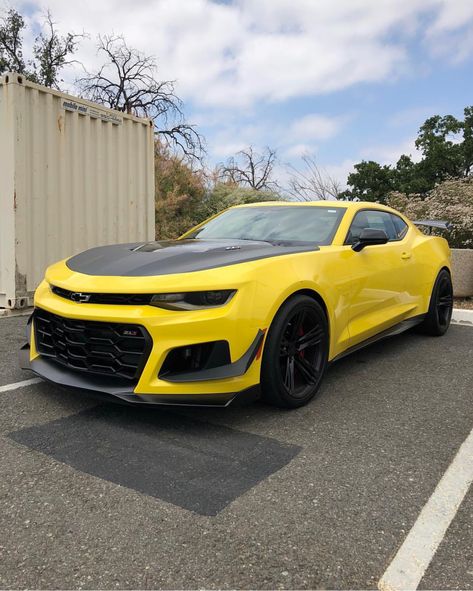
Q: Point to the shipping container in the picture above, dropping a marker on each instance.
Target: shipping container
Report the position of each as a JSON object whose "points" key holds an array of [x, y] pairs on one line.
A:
{"points": [[73, 175]]}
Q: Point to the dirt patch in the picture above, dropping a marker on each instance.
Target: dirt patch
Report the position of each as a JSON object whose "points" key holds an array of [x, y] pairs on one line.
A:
{"points": [[463, 303]]}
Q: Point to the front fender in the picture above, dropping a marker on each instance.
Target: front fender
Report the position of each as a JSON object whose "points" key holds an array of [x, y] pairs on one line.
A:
{"points": [[323, 280]]}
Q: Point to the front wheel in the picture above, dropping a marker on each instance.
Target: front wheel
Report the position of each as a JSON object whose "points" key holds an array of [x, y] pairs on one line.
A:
{"points": [[438, 317], [295, 354]]}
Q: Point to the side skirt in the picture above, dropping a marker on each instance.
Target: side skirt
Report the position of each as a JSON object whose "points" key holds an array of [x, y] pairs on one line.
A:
{"points": [[389, 332]]}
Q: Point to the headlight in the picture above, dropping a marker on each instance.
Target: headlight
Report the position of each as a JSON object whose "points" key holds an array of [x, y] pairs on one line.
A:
{"points": [[193, 300]]}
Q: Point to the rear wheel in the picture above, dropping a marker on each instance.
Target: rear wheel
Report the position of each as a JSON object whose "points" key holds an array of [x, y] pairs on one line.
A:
{"points": [[439, 315], [295, 354]]}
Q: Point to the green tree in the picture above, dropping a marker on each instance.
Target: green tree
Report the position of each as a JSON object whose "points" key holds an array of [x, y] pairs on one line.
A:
{"points": [[370, 182], [51, 51], [12, 25], [446, 145], [468, 141], [438, 141], [410, 177]]}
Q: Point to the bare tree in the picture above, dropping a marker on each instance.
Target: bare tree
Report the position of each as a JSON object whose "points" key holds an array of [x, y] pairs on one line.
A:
{"points": [[312, 183], [251, 169], [128, 82], [51, 51]]}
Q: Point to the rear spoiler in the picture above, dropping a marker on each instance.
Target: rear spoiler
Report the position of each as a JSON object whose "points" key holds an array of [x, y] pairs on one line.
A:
{"points": [[440, 224]]}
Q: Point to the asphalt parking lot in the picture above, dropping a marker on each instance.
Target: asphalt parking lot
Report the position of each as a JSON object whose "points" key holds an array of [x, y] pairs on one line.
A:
{"points": [[96, 495]]}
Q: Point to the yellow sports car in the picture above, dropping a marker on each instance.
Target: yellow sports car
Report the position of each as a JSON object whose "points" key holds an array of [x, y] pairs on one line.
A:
{"points": [[255, 301]]}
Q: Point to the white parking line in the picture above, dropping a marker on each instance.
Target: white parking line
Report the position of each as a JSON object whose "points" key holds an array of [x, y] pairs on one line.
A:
{"points": [[22, 384], [410, 563]]}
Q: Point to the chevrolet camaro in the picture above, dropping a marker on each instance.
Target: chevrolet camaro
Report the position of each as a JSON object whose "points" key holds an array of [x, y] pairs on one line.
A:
{"points": [[256, 301]]}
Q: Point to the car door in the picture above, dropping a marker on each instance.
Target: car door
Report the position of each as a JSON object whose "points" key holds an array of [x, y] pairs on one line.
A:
{"points": [[380, 297]]}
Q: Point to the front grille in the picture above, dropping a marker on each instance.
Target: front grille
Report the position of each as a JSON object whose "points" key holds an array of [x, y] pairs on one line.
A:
{"points": [[128, 299], [104, 348]]}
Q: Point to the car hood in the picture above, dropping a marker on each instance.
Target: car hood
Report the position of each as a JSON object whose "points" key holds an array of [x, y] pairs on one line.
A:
{"points": [[176, 256]]}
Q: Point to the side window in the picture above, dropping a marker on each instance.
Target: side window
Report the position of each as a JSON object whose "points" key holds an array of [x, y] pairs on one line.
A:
{"points": [[370, 218], [400, 225]]}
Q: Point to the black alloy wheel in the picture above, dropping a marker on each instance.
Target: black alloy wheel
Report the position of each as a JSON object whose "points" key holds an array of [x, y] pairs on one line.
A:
{"points": [[444, 301], [295, 355], [438, 317]]}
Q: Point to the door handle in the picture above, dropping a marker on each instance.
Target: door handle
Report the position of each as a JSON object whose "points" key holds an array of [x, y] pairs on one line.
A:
{"points": [[406, 255]]}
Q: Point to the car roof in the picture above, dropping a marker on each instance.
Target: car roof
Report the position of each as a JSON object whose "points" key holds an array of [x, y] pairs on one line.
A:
{"points": [[353, 205]]}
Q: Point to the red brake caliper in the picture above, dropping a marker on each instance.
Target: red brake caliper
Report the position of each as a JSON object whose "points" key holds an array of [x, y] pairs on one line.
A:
{"points": [[301, 334]]}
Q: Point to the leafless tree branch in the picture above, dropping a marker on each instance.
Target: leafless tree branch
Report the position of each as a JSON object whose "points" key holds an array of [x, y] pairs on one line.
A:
{"points": [[312, 183], [127, 82], [251, 169]]}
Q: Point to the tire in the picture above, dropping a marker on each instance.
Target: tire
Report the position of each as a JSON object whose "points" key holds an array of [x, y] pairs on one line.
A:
{"points": [[293, 365], [438, 317]]}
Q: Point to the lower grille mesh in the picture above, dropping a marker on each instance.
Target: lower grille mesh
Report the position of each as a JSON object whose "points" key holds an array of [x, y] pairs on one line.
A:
{"points": [[105, 348]]}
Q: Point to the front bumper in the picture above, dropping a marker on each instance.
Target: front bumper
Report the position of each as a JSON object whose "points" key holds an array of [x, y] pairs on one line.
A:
{"points": [[220, 386], [101, 388]]}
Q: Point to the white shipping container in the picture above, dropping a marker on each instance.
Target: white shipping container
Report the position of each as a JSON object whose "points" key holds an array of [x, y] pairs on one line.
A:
{"points": [[73, 175]]}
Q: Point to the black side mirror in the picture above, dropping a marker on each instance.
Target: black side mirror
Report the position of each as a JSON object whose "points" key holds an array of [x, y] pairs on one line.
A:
{"points": [[369, 237]]}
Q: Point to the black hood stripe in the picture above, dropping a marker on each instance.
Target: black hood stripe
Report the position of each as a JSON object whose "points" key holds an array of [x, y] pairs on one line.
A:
{"points": [[176, 256]]}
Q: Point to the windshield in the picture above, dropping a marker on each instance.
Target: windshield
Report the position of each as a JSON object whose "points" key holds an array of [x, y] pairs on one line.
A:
{"points": [[293, 224]]}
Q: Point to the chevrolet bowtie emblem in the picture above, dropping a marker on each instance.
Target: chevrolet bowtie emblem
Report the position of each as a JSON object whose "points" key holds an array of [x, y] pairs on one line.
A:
{"points": [[81, 298]]}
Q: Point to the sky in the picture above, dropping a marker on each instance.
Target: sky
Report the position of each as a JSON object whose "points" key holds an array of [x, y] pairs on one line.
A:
{"points": [[341, 80]]}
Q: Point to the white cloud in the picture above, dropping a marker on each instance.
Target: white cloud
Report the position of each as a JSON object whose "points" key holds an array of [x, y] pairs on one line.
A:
{"points": [[341, 171], [315, 127], [229, 59], [390, 153], [413, 117], [453, 14], [451, 34], [237, 55], [303, 135], [297, 151], [231, 137], [295, 139]]}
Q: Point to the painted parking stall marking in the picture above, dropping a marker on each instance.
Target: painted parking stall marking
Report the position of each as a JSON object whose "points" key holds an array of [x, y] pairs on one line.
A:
{"points": [[22, 384], [414, 556]]}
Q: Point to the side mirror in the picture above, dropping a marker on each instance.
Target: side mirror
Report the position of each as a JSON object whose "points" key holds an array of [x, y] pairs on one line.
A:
{"points": [[370, 237]]}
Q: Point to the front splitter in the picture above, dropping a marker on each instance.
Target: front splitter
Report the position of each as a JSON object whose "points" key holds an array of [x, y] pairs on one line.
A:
{"points": [[119, 391]]}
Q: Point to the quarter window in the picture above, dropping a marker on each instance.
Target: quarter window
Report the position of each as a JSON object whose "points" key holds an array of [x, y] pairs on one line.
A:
{"points": [[394, 227], [400, 225]]}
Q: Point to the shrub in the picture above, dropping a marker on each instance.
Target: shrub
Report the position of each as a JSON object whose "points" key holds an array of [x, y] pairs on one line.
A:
{"points": [[224, 195], [179, 194], [451, 200], [185, 197]]}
